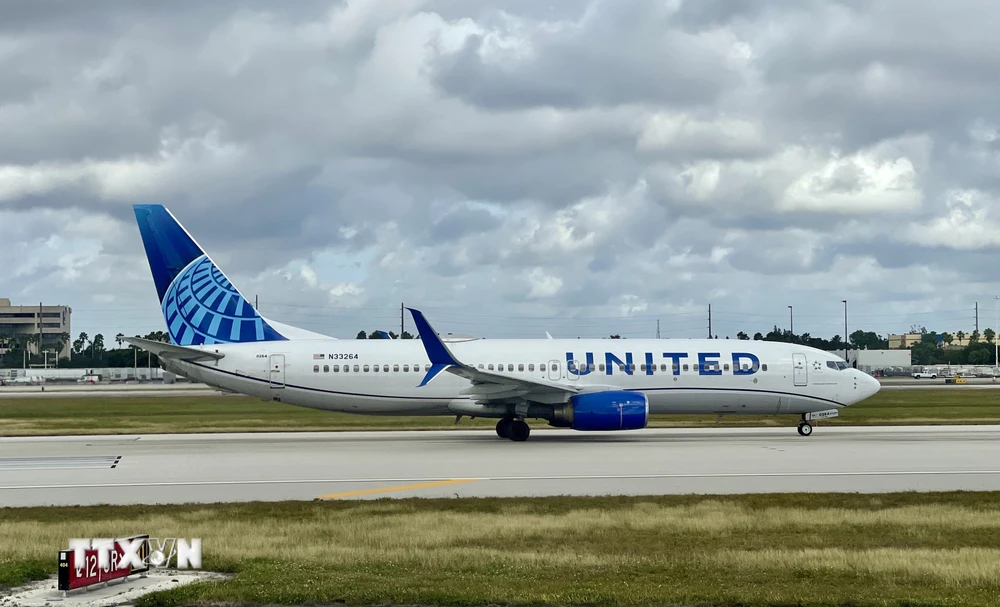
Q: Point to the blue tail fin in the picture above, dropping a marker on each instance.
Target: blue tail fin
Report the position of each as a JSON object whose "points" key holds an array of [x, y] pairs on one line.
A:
{"points": [[199, 303]]}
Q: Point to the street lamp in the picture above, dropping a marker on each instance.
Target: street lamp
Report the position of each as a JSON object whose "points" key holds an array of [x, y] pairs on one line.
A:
{"points": [[996, 338], [791, 321], [845, 329]]}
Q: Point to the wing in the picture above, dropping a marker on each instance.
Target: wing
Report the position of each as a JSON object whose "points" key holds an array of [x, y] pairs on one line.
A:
{"points": [[171, 351], [485, 386]]}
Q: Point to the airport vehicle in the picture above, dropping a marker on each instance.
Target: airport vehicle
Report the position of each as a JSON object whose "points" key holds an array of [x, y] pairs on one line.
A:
{"points": [[924, 375], [585, 384]]}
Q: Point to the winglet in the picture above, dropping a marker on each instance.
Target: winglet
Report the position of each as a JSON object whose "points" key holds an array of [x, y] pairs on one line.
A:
{"points": [[440, 356]]}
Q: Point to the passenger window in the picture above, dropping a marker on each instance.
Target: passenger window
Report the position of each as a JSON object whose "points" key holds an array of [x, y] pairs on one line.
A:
{"points": [[663, 367], [685, 367], [531, 367], [315, 368], [326, 368], [764, 367], [427, 367], [385, 368], [406, 368], [675, 367], [480, 365], [510, 366], [357, 368], [395, 368], [632, 367], [642, 367], [366, 368], [520, 367], [726, 366], [621, 367], [555, 367], [541, 367], [490, 366]]}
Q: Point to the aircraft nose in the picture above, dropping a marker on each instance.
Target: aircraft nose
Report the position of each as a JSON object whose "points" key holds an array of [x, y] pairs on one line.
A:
{"points": [[868, 386]]}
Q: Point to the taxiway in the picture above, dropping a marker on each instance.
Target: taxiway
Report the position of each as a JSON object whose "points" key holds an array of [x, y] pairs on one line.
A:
{"points": [[281, 466]]}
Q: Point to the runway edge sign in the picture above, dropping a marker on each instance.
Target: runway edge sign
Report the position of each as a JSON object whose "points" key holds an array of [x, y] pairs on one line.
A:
{"points": [[99, 564]]}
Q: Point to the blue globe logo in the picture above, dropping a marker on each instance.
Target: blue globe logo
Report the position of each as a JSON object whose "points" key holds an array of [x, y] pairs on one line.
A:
{"points": [[202, 307]]}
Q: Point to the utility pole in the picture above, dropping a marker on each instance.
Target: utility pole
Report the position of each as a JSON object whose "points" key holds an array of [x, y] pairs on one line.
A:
{"points": [[996, 338], [256, 303], [657, 328], [401, 320], [791, 321], [39, 348], [845, 330], [710, 321], [977, 317]]}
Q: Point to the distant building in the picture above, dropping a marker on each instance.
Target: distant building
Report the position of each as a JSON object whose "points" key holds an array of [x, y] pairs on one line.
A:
{"points": [[900, 342], [49, 321]]}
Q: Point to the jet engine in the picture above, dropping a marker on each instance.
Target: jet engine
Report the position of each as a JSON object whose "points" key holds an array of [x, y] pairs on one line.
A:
{"points": [[610, 410]]}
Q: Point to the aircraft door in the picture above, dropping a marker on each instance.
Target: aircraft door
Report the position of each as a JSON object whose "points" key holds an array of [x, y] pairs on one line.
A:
{"points": [[800, 375], [554, 370], [276, 371]]}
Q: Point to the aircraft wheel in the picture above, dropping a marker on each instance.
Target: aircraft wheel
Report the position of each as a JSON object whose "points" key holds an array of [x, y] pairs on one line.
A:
{"points": [[805, 428], [503, 427], [519, 430]]}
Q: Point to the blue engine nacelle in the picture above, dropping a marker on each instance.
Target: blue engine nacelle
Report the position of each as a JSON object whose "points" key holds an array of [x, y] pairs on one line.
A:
{"points": [[612, 410]]}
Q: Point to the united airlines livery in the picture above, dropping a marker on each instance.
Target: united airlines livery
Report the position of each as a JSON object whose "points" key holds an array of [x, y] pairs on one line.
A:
{"points": [[217, 337]]}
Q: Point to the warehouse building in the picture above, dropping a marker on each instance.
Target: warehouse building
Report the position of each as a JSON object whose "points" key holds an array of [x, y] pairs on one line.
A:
{"points": [[50, 323]]}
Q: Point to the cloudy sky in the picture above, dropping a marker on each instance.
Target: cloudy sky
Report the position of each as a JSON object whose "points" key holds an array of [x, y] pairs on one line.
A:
{"points": [[511, 166]]}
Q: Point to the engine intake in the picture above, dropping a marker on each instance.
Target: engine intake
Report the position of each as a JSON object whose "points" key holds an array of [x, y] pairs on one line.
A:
{"points": [[597, 411]]}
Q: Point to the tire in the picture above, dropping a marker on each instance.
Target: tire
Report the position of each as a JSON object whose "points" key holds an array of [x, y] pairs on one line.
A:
{"points": [[503, 427], [805, 429], [519, 431]]}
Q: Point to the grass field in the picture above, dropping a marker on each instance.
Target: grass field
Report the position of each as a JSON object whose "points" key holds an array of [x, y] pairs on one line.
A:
{"points": [[902, 549], [150, 415]]}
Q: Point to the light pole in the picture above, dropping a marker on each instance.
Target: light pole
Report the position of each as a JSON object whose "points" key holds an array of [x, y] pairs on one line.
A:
{"points": [[996, 338], [845, 329], [791, 321]]}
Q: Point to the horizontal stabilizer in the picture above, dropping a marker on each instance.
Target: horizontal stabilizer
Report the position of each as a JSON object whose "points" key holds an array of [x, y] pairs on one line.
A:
{"points": [[171, 351]]}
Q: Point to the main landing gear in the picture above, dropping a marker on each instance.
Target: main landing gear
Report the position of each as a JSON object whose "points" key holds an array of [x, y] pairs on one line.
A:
{"points": [[514, 429]]}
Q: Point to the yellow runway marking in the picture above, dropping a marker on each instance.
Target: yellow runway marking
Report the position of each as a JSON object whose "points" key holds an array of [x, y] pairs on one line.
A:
{"points": [[454, 481]]}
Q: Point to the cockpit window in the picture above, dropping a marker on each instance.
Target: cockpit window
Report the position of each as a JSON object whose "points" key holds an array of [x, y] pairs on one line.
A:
{"points": [[832, 364], [841, 365], [836, 364]]}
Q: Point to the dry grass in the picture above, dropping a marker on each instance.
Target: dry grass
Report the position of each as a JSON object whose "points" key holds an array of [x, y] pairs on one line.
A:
{"points": [[900, 549]]}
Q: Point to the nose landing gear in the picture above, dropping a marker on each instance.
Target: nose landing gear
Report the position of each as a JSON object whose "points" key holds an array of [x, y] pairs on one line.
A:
{"points": [[805, 428]]}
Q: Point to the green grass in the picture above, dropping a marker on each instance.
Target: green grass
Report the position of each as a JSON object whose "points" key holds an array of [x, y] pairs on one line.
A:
{"points": [[161, 414], [902, 549]]}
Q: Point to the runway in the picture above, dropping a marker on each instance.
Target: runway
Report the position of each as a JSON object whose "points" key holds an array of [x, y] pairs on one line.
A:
{"points": [[364, 465]]}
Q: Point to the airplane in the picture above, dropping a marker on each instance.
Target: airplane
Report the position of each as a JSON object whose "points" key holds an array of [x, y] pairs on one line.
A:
{"points": [[217, 337]]}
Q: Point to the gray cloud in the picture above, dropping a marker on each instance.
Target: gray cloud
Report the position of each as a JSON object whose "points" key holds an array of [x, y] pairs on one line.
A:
{"points": [[511, 166]]}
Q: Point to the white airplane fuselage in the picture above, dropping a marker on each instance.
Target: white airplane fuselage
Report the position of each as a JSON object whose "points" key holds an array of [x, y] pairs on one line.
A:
{"points": [[676, 375]]}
